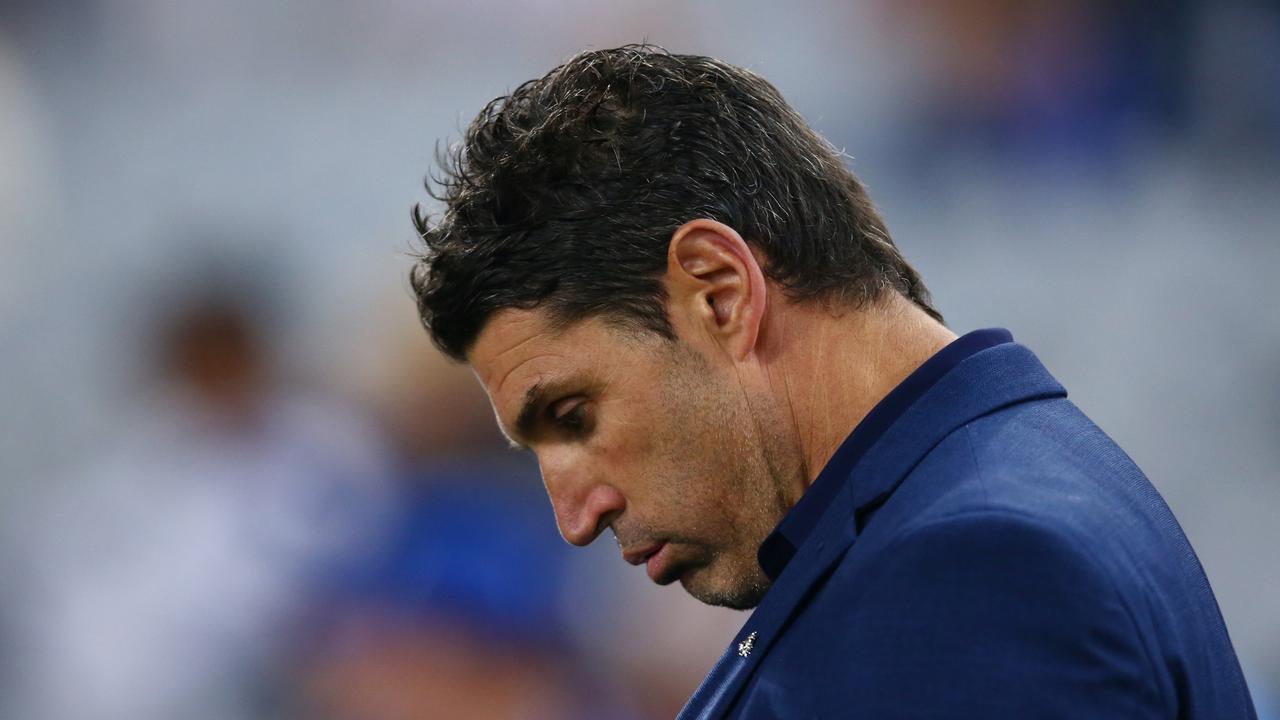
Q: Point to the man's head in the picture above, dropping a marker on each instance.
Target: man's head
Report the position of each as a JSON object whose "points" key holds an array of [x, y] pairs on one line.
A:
{"points": [[621, 242]]}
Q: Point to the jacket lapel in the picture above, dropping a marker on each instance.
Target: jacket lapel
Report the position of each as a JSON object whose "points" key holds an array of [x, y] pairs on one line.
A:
{"points": [[830, 540], [983, 383]]}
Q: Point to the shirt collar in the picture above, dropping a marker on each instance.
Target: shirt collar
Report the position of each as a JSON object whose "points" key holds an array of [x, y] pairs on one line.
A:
{"points": [[778, 549]]}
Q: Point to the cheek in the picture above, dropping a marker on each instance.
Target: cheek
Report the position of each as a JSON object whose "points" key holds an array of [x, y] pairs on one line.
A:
{"points": [[694, 487], [635, 433], [673, 452]]}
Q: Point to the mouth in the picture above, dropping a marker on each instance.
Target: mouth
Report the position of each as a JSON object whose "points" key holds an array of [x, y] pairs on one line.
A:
{"points": [[641, 555], [655, 559]]}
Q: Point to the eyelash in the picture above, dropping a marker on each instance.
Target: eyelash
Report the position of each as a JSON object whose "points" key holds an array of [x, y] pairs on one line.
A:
{"points": [[574, 422]]}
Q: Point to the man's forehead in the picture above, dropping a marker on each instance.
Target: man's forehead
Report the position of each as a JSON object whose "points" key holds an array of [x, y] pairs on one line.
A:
{"points": [[510, 338], [531, 346]]}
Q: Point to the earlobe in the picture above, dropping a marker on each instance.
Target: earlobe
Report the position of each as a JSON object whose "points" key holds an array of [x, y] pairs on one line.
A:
{"points": [[713, 275]]}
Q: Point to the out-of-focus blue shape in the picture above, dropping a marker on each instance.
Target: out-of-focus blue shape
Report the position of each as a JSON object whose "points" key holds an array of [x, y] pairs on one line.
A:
{"points": [[476, 545]]}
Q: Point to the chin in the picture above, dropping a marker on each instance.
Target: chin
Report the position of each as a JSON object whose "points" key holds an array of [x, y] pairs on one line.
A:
{"points": [[743, 594]]}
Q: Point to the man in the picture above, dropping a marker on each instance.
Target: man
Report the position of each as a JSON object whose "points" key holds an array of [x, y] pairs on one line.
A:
{"points": [[679, 298]]}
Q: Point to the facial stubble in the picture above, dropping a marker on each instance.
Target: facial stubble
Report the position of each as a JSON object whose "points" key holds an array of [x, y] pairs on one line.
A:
{"points": [[723, 444]]}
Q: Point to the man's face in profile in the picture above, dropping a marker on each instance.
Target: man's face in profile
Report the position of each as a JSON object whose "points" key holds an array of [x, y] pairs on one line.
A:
{"points": [[646, 437]]}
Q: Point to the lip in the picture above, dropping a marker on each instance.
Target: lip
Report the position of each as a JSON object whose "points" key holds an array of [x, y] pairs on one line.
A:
{"points": [[641, 555], [658, 566]]}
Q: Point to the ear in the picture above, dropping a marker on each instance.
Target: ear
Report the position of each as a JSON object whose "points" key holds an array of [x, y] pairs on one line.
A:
{"points": [[715, 285]]}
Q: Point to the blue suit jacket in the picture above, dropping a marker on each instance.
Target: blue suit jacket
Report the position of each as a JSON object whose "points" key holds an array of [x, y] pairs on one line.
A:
{"points": [[993, 555]]}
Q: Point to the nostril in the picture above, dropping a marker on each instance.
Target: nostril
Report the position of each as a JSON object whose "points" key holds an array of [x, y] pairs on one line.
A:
{"points": [[582, 522], [583, 507], [605, 522]]}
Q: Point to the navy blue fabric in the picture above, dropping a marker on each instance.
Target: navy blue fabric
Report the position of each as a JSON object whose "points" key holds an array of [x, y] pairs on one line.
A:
{"points": [[1017, 565], [778, 549]]}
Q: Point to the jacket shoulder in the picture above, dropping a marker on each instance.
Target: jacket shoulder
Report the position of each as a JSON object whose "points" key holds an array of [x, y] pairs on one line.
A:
{"points": [[1047, 462], [994, 613], [1051, 482]]}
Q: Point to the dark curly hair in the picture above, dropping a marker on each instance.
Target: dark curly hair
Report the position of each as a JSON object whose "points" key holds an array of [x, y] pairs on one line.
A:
{"points": [[564, 196]]}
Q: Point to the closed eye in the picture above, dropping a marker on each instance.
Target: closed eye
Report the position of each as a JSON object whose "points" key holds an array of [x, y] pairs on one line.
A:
{"points": [[572, 416]]}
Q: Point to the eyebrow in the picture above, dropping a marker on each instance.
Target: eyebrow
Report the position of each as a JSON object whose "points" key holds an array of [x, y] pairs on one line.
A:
{"points": [[535, 398], [528, 417]]}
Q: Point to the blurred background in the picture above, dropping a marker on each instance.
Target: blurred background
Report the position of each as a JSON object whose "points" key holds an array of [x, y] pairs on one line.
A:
{"points": [[236, 481]]}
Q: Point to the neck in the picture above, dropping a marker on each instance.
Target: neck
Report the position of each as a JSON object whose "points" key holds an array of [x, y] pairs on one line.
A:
{"points": [[841, 366]]}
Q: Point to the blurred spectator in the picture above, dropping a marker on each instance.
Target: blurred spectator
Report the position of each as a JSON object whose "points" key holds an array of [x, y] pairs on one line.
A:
{"points": [[459, 618], [460, 613], [166, 574], [1040, 79]]}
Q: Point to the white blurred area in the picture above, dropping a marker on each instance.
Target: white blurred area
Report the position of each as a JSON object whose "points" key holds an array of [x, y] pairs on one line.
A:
{"points": [[1099, 177]]}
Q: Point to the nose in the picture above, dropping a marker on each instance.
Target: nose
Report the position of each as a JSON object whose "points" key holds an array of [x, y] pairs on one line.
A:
{"points": [[584, 507]]}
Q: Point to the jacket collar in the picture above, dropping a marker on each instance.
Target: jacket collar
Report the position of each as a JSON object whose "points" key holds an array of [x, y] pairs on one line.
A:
{"points": [[778, 549], [987, 381]]}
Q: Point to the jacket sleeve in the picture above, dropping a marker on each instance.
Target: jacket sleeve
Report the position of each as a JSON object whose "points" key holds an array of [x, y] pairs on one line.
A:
{"points": [[993, 616]]}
